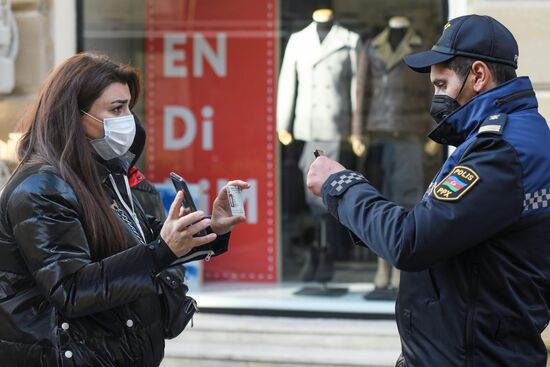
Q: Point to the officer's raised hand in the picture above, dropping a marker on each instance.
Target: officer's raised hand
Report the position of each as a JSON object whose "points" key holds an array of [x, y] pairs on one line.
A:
{"points": [[319, 172]]}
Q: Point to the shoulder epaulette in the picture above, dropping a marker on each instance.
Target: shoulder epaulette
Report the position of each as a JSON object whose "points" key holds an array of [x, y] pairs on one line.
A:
{"points": [[494, 124]]}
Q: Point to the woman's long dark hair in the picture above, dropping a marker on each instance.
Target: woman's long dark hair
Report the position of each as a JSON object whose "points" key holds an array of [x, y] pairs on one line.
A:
{"points": [[53, 133]]}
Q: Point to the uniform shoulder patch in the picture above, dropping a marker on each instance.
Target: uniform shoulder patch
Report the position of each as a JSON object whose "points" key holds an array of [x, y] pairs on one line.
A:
{"points": [[456, 184], [494, 124]]}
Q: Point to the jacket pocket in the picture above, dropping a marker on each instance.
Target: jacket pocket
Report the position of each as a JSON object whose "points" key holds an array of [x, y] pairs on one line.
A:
{"points": [[433, 283], [509, 331], [501, 330]]}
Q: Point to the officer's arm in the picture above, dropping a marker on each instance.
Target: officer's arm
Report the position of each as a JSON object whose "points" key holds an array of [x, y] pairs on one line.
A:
{"points": [[439, 227]]}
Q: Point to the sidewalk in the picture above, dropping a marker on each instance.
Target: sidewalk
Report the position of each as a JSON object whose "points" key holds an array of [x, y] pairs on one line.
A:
{"points": [[322, 332]]}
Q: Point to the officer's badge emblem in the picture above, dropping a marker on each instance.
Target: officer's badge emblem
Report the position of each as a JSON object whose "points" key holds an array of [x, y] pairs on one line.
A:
{"points": [[456, 184]]}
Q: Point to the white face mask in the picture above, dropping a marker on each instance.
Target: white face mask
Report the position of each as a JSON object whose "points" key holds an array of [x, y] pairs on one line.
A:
{"points": [[119, 136]]}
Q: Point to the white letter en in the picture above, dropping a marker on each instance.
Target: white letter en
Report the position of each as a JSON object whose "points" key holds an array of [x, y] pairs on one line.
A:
{"points": [[171, 54]]}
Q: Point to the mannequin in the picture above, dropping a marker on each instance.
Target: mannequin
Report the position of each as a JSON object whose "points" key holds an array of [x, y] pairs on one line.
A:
{"points": [[318, 111], [324, 20], [398, 28], [390, 125]]}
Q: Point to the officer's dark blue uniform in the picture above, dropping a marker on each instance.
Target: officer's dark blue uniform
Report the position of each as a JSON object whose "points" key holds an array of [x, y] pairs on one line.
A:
{"points": [[475, 253]]}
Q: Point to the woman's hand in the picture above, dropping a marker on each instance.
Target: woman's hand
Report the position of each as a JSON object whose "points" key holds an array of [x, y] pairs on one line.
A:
{"points": [[222, 220], [178, 229]]}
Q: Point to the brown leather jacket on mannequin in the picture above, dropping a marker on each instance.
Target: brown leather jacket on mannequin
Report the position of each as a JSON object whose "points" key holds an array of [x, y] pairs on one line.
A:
{"points": [[390, 97]]}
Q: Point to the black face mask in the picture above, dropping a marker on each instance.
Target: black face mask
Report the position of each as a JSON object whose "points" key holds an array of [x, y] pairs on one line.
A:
{"points": [[442, 105]]}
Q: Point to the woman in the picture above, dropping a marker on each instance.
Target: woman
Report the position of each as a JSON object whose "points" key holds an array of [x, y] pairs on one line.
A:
{"points": [[79, 260], [141, 187]]}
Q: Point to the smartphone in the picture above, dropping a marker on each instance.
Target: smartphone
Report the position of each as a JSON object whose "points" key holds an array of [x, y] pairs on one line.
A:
{"points": [[187, 203]]}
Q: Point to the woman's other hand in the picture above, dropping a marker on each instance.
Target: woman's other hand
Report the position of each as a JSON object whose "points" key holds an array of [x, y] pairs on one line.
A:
{"points": [[179, 228], [222, 220]]}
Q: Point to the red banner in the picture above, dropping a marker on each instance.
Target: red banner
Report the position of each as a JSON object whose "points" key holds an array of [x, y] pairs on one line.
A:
{"points": [[210, 115]]}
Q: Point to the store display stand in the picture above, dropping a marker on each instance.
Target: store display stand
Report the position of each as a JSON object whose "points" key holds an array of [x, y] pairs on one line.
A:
{"points": [[381, 294], [323, 291]]}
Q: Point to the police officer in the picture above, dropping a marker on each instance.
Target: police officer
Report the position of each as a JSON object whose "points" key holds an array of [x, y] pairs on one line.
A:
{"points": [[475, 253]]}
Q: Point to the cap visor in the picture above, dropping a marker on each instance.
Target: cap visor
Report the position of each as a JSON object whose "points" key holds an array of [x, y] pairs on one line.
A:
{"points": [[421, 62]]}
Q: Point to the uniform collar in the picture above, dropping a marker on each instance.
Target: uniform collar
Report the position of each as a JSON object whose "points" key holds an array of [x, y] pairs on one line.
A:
{"points": [[514, 95]]}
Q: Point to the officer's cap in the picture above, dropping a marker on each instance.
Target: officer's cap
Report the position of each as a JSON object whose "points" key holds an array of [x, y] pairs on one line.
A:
{"points": [[476, 36]]}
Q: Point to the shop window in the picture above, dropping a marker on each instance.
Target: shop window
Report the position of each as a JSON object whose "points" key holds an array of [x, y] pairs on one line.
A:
{"points": [[391, 125]]}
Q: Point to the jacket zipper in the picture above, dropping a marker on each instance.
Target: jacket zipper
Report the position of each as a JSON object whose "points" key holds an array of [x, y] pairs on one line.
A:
{"points": [[194, 305], [470, 314], [197, 254]]}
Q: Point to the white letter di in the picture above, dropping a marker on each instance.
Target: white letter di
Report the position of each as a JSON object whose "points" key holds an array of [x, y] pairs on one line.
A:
{"points": [[171, 114]]}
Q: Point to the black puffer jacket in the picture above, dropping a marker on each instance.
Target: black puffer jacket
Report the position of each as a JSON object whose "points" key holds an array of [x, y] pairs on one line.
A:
{"points": [[57, 306]]}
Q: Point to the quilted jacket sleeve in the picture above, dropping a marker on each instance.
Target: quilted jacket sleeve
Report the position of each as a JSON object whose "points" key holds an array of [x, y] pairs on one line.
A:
{"points": [[44, 214]]}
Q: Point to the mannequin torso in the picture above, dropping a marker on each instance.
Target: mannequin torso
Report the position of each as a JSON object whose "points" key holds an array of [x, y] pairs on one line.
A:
{"points": [[323, 28], [396, 36], [324, 19]]}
